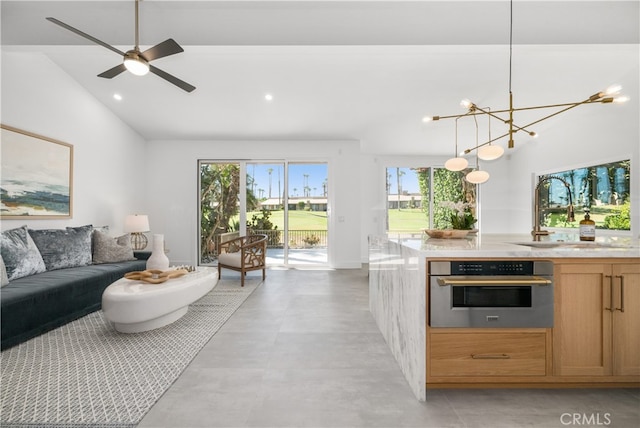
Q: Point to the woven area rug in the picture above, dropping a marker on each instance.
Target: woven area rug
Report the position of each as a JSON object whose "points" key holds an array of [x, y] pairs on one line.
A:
{"points": [[85, 374]]}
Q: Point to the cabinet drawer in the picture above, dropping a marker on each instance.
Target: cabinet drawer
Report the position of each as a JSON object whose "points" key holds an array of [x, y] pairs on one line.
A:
{"points": [[488, 354]]}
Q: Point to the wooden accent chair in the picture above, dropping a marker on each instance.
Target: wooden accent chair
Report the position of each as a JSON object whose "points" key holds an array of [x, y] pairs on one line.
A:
{"points": [[243, 254]]}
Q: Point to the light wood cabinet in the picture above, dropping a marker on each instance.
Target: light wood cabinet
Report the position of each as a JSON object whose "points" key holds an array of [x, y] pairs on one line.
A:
{"points": [[488, 354], [597, 319]]}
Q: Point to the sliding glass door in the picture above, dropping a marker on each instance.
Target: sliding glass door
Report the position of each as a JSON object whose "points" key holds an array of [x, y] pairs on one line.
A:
{"points": [[307, 226], [219, 190], [287, 201], [265, 206]]}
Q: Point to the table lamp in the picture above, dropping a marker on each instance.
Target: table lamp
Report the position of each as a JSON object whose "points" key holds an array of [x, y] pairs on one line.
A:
{"points": [[136, 225]]}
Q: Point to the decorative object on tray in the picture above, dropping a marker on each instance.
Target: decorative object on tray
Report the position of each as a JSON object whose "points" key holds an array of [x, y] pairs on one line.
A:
{"points": [[446, 233], [158, 259], [155, 276], [461, 216]]}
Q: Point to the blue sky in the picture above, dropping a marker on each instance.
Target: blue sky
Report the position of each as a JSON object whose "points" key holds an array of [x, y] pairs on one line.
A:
{"points": [[408, 180], [313, 175]]}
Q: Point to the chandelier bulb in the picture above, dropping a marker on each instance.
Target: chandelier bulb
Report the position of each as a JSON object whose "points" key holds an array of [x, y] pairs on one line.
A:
{"points": [[466, 103], [613, 89]]}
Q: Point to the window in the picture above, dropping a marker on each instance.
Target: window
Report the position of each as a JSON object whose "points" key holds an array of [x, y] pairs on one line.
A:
{"points": [[603, 190], [415, 197]]}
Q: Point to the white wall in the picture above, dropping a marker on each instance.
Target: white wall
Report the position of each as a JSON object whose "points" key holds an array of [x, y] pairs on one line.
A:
{"points": [[109, 158], [117, 173], [173, 183]]}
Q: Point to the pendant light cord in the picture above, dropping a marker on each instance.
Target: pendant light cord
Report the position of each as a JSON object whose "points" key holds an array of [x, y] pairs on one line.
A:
{"points": [[510, 41]]}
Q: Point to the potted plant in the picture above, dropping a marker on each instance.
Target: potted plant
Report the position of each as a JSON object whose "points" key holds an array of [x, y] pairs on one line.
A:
{"points": [[461, 217]]}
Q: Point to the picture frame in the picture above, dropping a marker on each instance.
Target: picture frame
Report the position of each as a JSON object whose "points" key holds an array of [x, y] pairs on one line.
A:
{"points": [[37, 176]]}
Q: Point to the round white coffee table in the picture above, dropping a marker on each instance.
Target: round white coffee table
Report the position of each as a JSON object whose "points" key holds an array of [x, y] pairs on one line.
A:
{"points": [[135, 306]]}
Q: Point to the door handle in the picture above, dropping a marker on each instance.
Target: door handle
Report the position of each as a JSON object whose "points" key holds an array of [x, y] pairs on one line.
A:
{"points": [[610, 293], [490, 356], [621, 308]]}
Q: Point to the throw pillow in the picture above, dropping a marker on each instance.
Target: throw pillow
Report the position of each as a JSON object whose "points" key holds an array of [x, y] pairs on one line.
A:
{"points": [[20, 254], [64, 248], [4, 279], [111, 250]]}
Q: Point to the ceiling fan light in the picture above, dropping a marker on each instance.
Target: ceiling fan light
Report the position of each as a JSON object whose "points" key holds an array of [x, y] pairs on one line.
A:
{"points": [[136, 64], [456, 164], [477, 177], [490, 152]]}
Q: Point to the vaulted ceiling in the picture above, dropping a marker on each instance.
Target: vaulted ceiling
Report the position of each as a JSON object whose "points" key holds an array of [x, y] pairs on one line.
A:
{"points": [[362, 70]]}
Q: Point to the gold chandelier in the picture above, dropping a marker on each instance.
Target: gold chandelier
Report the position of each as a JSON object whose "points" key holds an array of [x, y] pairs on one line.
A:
{"points": [[488, 151]]}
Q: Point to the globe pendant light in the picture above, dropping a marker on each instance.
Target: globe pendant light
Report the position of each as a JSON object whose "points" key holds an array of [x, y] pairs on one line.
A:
{"points": [[490, 152], [477, 176], [456, 163]]}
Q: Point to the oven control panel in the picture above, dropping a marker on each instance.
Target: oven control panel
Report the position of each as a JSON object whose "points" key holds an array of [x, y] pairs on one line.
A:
{"points": [[490, 267]]}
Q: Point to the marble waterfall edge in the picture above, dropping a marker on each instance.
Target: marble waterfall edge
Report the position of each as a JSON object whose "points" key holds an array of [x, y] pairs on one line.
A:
{"points": [[397, 300]]}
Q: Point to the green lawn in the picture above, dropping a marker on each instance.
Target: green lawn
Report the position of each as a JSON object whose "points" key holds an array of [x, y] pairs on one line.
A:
{"points": [[407, 219], [298, 220]]}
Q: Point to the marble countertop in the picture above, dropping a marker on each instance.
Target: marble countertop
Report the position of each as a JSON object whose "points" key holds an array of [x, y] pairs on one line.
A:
{"points": [[555, 246]]}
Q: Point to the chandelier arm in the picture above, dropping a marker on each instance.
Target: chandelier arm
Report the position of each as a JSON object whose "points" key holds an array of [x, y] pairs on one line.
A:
{"points": [[558, 112], [570, 106], [574, 104], [467, 151]]}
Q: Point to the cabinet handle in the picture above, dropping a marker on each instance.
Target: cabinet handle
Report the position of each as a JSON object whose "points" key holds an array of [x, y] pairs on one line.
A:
{"points": [[621, 308], [610, 293], [490, 356]]}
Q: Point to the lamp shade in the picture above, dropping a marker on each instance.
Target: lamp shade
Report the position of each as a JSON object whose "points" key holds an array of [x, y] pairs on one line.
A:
{"points": [[136, 223], [477, 177], [456, 164], [490, 152]]}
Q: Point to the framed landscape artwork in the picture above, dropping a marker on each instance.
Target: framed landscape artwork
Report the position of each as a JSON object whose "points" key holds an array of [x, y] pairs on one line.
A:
{"points": [[37, 176]]}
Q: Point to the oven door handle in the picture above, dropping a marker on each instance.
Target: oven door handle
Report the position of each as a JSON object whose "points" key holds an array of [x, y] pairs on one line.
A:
{"points": [[517, 280]]}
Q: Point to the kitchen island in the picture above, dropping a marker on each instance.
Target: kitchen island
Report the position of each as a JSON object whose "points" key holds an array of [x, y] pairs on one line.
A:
{"points": [[399, 301]]}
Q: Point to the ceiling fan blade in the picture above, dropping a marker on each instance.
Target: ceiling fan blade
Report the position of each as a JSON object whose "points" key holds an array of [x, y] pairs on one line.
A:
{"points": [[113, 72], [85, 35], [172, 79], [166, 48]]}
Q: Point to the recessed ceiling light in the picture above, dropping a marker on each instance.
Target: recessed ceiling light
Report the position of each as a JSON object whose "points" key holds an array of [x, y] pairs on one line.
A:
{"points": [[268, 97], [117, 97]]}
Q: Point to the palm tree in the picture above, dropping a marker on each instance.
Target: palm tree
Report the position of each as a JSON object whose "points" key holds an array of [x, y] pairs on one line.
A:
{"points": [[270, 170], [399, 174]]}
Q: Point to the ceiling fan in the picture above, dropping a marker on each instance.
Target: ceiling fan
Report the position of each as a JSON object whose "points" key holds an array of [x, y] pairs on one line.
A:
{"points": [[134, 60]]}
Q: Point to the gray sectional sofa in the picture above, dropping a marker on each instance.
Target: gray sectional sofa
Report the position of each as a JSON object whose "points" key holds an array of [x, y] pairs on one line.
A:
{"points": [[54, 276]]}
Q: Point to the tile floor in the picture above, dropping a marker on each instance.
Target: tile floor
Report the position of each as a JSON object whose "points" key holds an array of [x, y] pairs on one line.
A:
{"points": [[304, 351]]}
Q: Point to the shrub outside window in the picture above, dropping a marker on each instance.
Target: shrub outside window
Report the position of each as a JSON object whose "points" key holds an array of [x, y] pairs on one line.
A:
{"points": [[603, 190]]}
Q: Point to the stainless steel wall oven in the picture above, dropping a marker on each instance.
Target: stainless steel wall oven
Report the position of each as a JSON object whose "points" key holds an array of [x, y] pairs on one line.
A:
{"points": [[502, 293]]}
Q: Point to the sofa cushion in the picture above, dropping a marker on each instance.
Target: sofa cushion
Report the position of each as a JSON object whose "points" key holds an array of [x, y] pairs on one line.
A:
{"points": [[20, 254], [4, 279], [110, 250], [64, 248]]}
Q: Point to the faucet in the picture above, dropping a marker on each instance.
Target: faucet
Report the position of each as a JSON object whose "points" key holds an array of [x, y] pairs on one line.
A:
{"points": [[537, 232]]}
